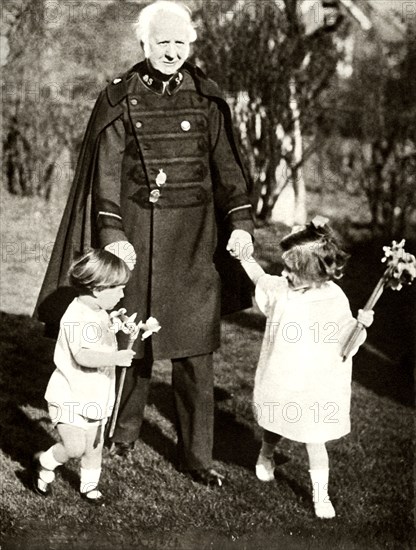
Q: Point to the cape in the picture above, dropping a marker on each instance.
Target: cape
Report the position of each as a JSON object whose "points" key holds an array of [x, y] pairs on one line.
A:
{"points": [[77, 230]]}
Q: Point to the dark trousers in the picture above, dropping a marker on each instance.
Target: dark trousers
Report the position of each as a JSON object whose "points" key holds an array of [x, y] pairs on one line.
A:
{"points": [[193, 392]]}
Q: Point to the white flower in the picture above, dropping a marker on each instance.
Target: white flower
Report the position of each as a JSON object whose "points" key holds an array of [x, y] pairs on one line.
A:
{"points": [[129, 326], [116, 324], [151, 326], [120, 321]]}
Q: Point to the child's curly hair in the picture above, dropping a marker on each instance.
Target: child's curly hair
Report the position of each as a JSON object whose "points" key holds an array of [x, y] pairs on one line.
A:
{"points": [[313, 253], [98, 269]]}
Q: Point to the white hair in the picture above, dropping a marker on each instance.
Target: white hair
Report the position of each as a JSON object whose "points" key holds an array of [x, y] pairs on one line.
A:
{"points": [[149, 13]]}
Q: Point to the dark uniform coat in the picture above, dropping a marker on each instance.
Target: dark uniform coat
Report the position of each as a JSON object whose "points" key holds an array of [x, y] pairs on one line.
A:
{"points": [[159, 168]]}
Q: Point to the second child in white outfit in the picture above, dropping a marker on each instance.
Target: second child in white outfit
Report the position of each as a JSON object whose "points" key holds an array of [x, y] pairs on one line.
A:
{"points": [[302, 387]]}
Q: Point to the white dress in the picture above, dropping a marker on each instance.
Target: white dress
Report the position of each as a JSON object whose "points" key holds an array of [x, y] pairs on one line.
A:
{"points": [[77, 390], [302, 388]]}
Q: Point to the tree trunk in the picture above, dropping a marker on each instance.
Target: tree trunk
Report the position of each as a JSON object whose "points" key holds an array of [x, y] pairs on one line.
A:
{"points": [[289, 205]]}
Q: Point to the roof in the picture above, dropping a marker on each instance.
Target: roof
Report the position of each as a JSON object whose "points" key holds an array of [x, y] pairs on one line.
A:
{"points": [[386, 17]]}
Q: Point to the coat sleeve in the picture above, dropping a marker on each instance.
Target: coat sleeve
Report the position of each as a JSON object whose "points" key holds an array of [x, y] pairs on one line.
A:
{"points": [[230, 187], [107, 185]]}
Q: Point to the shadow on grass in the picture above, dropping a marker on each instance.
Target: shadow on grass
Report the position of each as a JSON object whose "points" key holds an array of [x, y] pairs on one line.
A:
{"points": [[234, 441], [26, 364]]}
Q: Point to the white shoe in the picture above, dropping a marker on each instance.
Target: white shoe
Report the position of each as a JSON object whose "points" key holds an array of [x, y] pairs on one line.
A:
{"points": [[324, 510], [265, 468]]}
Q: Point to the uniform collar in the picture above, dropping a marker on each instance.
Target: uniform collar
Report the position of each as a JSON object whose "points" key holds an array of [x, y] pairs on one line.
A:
{"points": [[157, 82]]}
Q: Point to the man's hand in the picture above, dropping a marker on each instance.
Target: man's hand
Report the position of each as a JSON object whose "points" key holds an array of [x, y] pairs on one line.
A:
{"points": [[123, 250], [124, 357], [240, 245], [365, 317]]}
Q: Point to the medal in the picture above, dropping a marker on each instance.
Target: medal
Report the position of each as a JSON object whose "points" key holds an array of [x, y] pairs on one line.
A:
{"points": [[161, 178]]}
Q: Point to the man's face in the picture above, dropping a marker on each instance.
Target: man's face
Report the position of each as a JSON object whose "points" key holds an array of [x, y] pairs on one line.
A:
{"points": [[168, 46]]}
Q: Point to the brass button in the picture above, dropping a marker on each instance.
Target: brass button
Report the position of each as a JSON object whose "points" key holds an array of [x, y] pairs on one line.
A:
{"points": [[185, 125], [139, 124], [134, 101], [154, 196]]}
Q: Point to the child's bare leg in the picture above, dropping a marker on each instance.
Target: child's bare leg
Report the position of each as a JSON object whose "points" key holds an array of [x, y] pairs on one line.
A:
{"points": [[91, 463], [319, 472], [318, 456], [265, 464], [73, 442]]}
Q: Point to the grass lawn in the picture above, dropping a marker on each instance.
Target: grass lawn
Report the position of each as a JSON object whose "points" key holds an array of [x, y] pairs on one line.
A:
{"points": [[152, 504]]}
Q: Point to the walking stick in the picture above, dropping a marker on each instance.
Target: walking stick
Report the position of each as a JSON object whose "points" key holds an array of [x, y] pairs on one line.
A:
{"points": [[128, 326], [401, 270]]}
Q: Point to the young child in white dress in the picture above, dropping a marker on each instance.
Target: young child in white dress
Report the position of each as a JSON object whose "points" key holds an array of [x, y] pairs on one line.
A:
{"points": [[81, 390], [302, 386]]}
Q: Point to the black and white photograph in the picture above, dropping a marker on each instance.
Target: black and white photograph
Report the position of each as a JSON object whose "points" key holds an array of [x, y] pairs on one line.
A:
{"points": [[207, 276]]}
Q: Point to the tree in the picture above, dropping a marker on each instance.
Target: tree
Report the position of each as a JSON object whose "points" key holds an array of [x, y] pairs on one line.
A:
{"points": [[61, 55], [376, 113], [274, 73]]}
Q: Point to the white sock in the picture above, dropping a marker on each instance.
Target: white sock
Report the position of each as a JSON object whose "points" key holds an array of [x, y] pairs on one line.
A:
{"points": [[89, 479], [321, 501], [48, 463]]}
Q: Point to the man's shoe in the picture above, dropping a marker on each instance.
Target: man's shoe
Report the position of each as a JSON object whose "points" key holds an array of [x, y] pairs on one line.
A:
{"points": [[121, 448], [208, 477]]}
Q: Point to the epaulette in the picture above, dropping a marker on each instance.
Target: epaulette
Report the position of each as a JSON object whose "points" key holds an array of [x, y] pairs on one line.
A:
{"points": [[117, 89]]}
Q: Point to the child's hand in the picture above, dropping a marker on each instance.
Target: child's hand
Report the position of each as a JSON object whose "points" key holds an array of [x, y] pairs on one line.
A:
{"points": [[365, 317], [124, 357], [240, 245], [243, 254]]}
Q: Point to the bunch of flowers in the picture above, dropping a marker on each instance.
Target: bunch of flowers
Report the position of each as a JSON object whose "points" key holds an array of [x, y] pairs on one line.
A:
{"points": [[400, 271], [121, 321]]}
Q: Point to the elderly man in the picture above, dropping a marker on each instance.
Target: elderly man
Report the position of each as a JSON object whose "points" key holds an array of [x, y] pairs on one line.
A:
{"points": [[160, 184]]}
